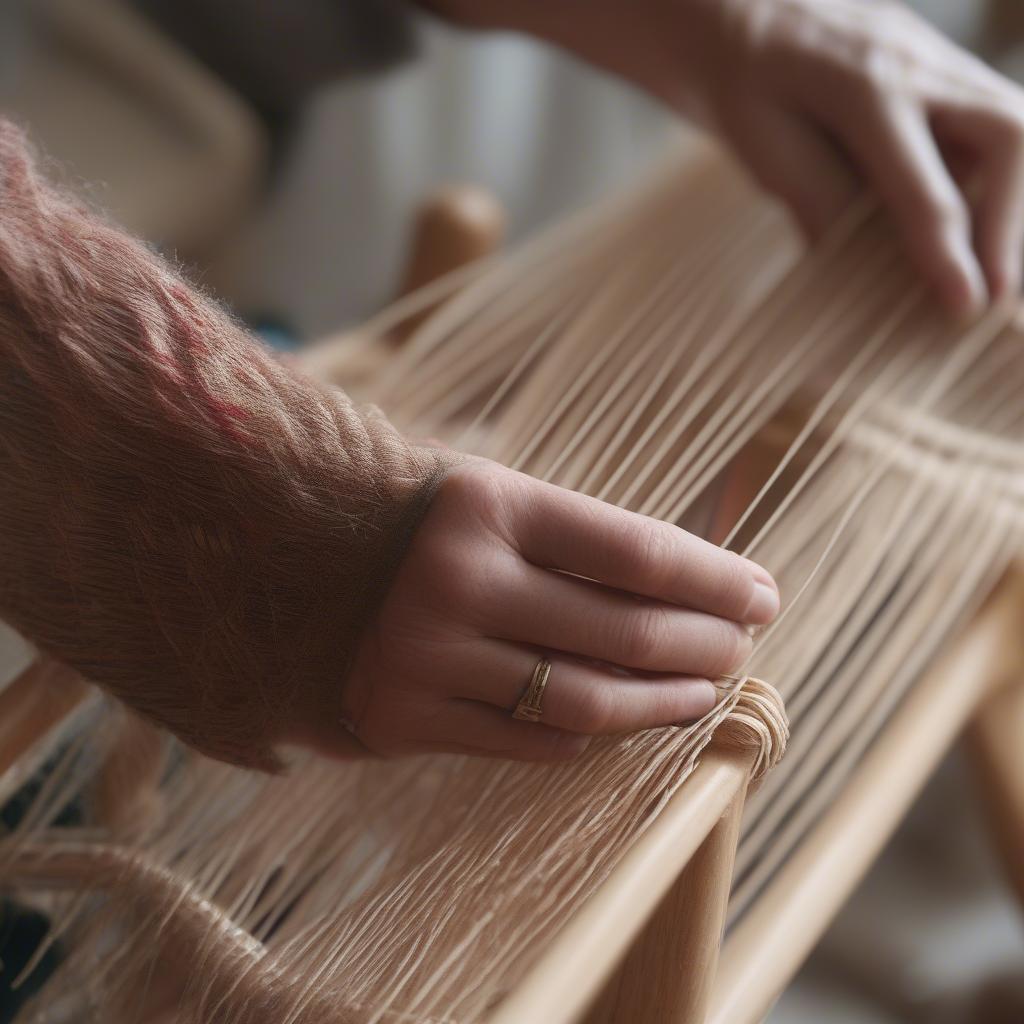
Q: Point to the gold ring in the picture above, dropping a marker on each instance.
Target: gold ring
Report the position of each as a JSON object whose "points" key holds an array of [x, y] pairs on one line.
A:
{"points": [[528, 709]]}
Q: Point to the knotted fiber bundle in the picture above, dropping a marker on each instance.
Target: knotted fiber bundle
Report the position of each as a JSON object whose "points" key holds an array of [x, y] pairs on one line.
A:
{"points": [[672, 352]]}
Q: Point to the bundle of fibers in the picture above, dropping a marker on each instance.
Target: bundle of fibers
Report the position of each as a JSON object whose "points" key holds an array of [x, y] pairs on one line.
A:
{"points": [[188, 522], [675, 352]]}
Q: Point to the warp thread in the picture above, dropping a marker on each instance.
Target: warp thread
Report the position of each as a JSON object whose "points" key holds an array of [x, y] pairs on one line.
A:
{"points": [[241, 978]]}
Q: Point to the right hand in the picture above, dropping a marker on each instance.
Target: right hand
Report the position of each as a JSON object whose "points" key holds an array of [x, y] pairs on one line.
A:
{"points": [[635, 615]]}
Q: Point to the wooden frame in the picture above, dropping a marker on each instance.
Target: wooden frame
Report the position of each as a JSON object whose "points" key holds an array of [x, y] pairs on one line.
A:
{"points": [[646, 947]]}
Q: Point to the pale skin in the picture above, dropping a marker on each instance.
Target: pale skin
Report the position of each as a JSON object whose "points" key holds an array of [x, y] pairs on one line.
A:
{"points": [[820, 99], [636, 616]]}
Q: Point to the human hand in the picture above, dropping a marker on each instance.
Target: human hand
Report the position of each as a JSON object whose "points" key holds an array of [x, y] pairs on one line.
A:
{"points": [[818, 95], [635, 615]]}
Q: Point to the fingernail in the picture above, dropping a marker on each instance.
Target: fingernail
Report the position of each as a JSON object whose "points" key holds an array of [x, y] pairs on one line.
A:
{"points": [[764, 605], [703, 696], [707, 694]]}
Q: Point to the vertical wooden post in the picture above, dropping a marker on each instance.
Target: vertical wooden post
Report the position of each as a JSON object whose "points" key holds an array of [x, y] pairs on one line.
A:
{"points": [[33, 703], [995, 744], [669, 972], [576, 964]]}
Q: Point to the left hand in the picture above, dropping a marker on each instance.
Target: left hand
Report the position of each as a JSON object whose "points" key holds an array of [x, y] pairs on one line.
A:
{"points": [[818, 97]]}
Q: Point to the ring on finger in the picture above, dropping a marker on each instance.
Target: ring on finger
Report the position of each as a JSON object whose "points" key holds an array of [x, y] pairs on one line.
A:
{"points": [[529, 707]]}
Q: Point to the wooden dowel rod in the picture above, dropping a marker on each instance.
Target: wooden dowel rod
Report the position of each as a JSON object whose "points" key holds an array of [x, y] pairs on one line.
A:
{"points": [[580, 958], [995, 743], [669, 971], [770, 943]]}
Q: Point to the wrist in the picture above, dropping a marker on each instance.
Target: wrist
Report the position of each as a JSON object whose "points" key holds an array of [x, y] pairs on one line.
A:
{"points": [[669, 48]]}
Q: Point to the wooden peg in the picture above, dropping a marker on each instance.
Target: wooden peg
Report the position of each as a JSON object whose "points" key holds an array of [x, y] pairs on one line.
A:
{"points": [[454, 226]]}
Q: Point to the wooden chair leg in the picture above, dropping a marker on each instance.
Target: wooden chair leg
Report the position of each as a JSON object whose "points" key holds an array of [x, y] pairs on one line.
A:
{"points": [[669, 971], [995, 743]]}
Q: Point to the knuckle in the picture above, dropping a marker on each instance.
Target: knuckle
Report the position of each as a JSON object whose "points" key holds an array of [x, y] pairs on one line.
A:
{"points": [[448, 569], [469, 581], [593, 713], [639, 635], [867, 75], [473, 488], [651, 547], [875, 72]]}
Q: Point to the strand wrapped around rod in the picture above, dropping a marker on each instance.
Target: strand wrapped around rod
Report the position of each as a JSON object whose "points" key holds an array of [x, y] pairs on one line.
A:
{"points": [[810, 410], [242, 979], [756, 721]]}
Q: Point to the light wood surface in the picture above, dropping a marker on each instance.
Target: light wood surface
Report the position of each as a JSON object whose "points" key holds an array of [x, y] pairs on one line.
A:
{"points": [[34, 703], [768, 946], [995, 742], [561, 985], [455, 226], [669, 971]]}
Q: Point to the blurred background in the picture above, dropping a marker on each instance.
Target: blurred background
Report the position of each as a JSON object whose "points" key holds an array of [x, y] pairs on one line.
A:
{"points": [[283, 168]]}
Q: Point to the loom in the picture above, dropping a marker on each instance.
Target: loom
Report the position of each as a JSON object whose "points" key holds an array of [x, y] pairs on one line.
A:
{"points": [[674, 351]]}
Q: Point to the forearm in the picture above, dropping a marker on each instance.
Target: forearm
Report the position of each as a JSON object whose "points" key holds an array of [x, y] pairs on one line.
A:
{"points": [[652, 43], [184, 520]]}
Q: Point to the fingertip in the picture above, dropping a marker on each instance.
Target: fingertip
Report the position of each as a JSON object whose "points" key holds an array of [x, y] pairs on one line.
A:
{"points": [[765, 600], [705, 697], [1004, 278], [960, 283], [761, 574], [764, 605]]}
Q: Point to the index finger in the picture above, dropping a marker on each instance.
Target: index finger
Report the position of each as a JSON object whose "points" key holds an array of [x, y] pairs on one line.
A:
{"points": [[894, 143], [574, 533]]}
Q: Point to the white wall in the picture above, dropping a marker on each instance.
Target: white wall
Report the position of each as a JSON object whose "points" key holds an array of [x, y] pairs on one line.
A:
{"points": [[542, 131]]}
